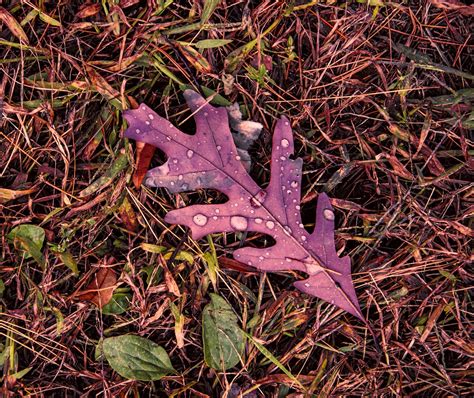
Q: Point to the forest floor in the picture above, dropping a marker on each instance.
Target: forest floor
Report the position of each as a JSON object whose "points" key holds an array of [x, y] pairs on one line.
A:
{"points": [[380, 98]]}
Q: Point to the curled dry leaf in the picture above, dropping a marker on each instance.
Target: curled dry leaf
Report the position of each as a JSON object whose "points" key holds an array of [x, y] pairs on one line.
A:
{"points": [[209, 159]]}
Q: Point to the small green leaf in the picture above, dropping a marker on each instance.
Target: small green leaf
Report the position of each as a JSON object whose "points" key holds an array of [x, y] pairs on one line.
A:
{"points": [[137, 358], [2, 288], [212, 43], [68, 260], [49, 20], [208, 9], [18, 375], [117, 305], [149, 247], [222, 337]]}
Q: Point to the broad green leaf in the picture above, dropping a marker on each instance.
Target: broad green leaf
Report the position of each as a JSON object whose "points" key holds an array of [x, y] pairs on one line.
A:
{"points": [[33, 232], [29, 239], [212, 43], [222, 337], [117, 305], [137, 358]]}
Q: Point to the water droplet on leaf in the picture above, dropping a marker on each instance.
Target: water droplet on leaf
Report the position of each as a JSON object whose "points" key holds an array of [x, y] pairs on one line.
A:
{"points": [[239, 223], [328, 214], [270, 224], [200, 219]]}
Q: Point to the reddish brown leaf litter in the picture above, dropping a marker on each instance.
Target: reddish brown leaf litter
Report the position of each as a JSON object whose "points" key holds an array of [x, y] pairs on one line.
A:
{"points": [[379, 96]]}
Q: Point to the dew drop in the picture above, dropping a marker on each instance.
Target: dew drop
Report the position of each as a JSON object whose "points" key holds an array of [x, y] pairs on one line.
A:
{"points": [[143, 108], [285, 143], [180, 177], [328, 214], [199, 181], [184, 186], [150, 116], [297, 207], [218, 147], [239, 223], [206, 114], [168, 138], [172, 183], [217, 211], [294, 184], [237, 157], [307, 284], [175, 161], [288, 230], [170, 126], [282, 158], [270, 224], [147, 122], [200, 219], [138, 131], [288, 260], [214, 218], [303, 238], [190, 153], [249, 262], [261, 258], [301, 226], [288, 192], [286, 123], [258, 221]]}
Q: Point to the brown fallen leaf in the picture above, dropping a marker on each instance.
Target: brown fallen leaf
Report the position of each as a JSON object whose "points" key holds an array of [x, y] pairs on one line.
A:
{"points": [[88, 10], [13, 25], [197, 60], [169, 280], [10, 194], [454, 5], [128, 216], [145, 153], [101, 288]]}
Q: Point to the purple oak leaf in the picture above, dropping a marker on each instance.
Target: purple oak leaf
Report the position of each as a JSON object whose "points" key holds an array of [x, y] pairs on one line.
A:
{"points": [[209, 159]]}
